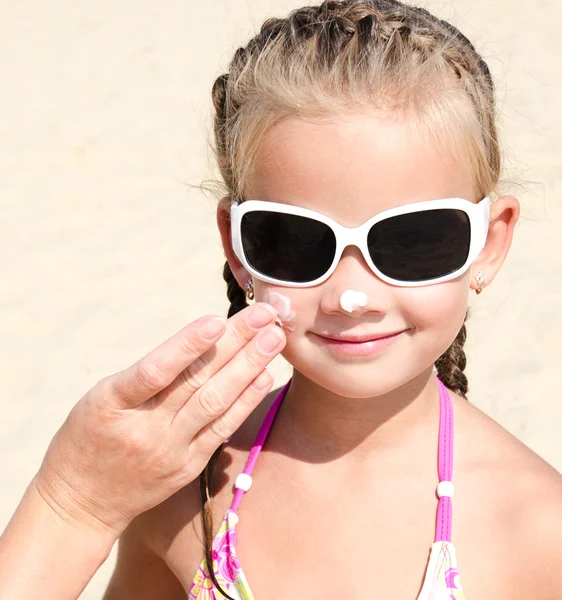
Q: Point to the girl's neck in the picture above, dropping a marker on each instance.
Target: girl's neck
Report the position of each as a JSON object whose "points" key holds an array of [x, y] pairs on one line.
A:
{"points": [[317, 426]]}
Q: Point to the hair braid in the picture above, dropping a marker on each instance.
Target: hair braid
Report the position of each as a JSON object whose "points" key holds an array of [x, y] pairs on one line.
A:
{"points": [[451, 364], [235, 294], [222, 152], [207, 514]]}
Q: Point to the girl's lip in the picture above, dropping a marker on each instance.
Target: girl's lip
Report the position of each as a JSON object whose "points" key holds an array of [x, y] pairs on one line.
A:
{"points": [[366, 348], [360, 338]]}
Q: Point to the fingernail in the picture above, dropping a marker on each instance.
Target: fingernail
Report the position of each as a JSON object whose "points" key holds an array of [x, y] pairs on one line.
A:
{"points": [[212, 328], [259, 316], [269, 340]]}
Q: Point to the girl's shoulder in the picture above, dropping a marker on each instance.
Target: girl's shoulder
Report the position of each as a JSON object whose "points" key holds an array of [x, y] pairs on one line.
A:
{"points": [[511, 499], [485, 449]]}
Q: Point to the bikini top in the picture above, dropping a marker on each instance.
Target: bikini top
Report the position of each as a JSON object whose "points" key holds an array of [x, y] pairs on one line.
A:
{"points": [[441, 580]]}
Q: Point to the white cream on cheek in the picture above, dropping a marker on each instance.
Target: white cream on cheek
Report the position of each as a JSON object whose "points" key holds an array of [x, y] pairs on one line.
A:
{"points": [[286, 317], [350, 300]]}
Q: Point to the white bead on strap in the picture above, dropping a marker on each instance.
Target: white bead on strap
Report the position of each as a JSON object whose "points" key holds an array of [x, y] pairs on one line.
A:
{"points": [[446, 488], [243, 482]]}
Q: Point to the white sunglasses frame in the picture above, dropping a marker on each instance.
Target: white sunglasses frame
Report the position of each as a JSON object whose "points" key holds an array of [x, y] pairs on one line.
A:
{"points": [[478, 214]]}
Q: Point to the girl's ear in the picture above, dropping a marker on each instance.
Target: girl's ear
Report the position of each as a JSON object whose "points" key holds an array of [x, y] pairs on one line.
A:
{"points": [[238, 270], [504, 213]]}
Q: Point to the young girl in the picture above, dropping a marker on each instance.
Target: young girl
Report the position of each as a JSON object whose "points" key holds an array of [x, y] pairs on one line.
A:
{"points": [[358, 146]]}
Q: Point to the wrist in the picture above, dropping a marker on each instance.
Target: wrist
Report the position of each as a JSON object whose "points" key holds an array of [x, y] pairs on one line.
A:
{"points": [[76, 520], [45, 556]]}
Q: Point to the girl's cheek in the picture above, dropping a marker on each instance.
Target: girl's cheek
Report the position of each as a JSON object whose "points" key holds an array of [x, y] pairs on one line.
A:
{"points": [[286, 317], [436, 306]]}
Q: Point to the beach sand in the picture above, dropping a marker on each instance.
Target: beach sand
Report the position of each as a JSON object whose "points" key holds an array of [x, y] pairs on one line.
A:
{"points": [[107, 252]]}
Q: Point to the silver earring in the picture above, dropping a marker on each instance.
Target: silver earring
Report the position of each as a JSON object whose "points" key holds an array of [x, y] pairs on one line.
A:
{"points": [[481, 281], [249, 287]]}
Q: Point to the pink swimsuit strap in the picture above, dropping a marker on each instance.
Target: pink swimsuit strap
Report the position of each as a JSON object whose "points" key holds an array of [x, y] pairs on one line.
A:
{"points": [[445, 456]]}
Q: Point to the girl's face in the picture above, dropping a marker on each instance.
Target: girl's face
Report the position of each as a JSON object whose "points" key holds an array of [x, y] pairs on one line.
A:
{"points": [[351, 170]]}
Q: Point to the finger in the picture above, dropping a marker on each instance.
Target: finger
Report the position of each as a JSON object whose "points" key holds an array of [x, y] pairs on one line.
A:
{"points": [[161, 366], [241, 328], [219, 430], [221, 391]]}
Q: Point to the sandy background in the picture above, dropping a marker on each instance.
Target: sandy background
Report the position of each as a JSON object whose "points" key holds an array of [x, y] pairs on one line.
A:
{"points": [[106, 253]]}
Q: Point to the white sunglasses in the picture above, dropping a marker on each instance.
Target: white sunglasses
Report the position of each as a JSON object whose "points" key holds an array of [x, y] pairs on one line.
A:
{"points": [[416, 244]]}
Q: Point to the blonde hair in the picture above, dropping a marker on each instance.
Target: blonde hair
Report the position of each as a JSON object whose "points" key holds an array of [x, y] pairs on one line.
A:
{"points": [[343, 57]]}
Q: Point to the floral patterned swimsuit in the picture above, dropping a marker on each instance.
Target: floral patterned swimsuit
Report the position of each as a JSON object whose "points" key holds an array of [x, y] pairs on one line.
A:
{"points": [[441, 581]]}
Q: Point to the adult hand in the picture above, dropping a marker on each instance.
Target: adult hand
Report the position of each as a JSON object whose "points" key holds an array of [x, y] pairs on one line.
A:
{"points": [[140, 435]]}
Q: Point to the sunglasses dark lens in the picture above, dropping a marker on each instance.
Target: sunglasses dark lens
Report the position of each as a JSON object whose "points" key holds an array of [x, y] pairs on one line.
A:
{"points": [[421, 245], [287, 247]]}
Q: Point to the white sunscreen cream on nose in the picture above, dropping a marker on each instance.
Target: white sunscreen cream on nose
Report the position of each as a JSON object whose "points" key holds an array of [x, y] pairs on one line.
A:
{"points": [[350, 300], [286, 317]]}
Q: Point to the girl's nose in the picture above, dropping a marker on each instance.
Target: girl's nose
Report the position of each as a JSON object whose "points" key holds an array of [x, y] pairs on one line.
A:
{"points": [[353, 273]]}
